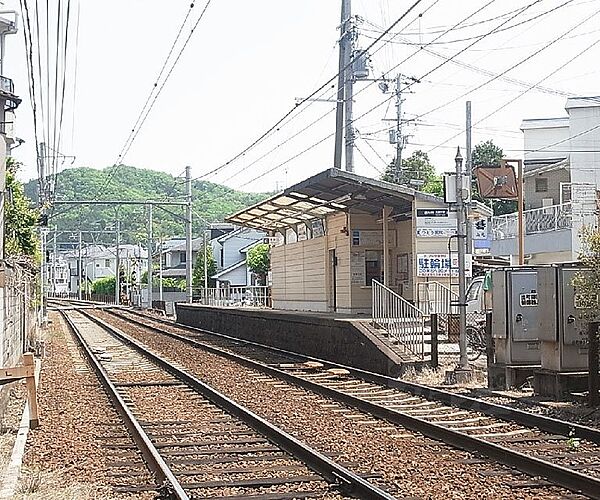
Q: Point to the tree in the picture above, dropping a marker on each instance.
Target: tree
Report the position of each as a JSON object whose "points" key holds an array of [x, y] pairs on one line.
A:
{"points": [[259, 261], [20, 217], [198, 274], [104, 286], [416, 167], [487, 154]]}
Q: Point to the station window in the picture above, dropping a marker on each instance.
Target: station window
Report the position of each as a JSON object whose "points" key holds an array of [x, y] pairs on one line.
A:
{"points": [[373, 266], [541, 185]]}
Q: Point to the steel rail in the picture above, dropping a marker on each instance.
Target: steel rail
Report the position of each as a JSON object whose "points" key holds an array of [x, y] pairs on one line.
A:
{"points": [[557, 474], [163, 474], [329, 469], [544, 423]]}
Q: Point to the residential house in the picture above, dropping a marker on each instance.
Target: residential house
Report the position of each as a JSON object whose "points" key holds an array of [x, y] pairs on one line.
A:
{"points": [[230, 251], [561, 176]]}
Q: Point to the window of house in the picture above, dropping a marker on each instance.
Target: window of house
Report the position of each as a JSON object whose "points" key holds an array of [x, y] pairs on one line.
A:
{"points": [[373, 266], [222, 257], [106, 262], [182, 257], [541, 185]]}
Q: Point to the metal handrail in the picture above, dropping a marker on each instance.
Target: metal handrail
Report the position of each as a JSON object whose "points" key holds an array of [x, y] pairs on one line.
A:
{"points": [[537, 220], [434, 297], [403, 322], [236, 296]]}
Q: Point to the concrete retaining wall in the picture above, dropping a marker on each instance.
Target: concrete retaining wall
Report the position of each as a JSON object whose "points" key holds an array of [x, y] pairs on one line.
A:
{"points": [[337, 340]]}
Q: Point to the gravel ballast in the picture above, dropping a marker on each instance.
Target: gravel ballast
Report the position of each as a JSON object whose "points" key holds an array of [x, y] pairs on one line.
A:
{"points": [[408, 463]]}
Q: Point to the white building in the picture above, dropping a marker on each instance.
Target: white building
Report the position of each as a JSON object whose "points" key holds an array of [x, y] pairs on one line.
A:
{"points": [[561, 180]]}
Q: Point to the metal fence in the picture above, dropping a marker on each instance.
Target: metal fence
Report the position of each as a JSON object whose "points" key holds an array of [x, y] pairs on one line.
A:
{"points": [[234, 296], [539, 220], [436, 298], [403, 322], [20, 312]]}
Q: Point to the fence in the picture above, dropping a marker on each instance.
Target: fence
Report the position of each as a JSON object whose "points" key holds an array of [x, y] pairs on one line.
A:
{"points": [[435, 298], [20, 312], [403, 322], [235, 296], [539, 220]]}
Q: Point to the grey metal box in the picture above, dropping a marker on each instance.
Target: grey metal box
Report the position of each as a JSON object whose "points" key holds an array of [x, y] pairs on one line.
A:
{"points": [[523, 298]]}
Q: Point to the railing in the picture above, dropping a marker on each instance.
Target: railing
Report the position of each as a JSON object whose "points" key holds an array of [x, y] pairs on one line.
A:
{"points": [[235, 296], [538, 220], [435, 298], [403, 322]]}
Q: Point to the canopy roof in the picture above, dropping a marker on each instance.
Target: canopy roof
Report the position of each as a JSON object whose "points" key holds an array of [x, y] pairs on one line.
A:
{"points": [[326, 193]]}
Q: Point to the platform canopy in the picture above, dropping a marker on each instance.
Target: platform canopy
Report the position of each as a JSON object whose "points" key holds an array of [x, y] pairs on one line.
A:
{"points": [[323, 194]]}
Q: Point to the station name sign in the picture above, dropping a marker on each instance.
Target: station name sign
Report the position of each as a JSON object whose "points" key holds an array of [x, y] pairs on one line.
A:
{"points": [[436, 223]]}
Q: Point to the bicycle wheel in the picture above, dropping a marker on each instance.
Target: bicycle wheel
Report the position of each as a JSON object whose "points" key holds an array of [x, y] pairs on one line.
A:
{"points": [[475, 343]]}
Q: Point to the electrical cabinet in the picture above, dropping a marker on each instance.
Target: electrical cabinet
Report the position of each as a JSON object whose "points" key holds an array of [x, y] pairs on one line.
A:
{"points": [[522, 297]]}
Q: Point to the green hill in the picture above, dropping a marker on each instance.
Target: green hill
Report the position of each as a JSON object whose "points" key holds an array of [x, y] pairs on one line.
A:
{"points": [[211, 201]]}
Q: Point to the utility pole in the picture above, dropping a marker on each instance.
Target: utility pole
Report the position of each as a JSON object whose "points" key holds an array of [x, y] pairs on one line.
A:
{"points": [[80, 270], [43, 277], [149, 256], [188, 234], [349, 35], [160, 268], [205, 266], [399, 137], [54, 260], [118, 265], [463, 371], [339, 111], [469, 172]]}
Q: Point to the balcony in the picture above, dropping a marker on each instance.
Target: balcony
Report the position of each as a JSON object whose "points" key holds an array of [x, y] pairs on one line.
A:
{"points": [[7, 93], [548, 233], [538, 220]]}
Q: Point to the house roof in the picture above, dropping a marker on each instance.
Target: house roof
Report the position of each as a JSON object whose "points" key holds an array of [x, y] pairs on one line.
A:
{"points": [[227, 270], [548, 167], [326, 193], [248, 247], [231, 234], [173, 272], [535, 123]]}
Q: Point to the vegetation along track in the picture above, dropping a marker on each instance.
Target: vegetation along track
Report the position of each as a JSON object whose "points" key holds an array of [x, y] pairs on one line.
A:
{"points": [[565, 453], [197, 442]]}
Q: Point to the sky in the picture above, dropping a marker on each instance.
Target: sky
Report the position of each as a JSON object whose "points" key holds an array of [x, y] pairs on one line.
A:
{"points": [[247, 62]]}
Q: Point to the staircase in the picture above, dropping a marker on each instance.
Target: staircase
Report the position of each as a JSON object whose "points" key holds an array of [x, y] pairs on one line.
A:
{"points": [[404, 326]]}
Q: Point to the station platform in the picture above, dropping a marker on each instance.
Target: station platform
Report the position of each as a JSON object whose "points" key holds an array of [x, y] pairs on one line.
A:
{"points": [[343, 339]]}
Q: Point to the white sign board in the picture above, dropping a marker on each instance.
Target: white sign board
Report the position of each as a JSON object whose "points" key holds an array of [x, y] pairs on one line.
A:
{"points": [[479, 229], [436, 223], [372, 238], [357, 267], [437, 265]]}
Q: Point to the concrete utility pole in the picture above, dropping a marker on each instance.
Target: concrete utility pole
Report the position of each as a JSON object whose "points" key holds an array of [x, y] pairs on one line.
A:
{"points": [[160, 268], [118, 266], [205, 266], [339, 112], [463, 369], [188, 233], [349, 35], [54, 254], [149, 244], [399, 137], [469, 172], [80, 270], [43, 276]]}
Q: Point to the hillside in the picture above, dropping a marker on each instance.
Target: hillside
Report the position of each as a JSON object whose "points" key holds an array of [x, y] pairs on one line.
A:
{"points": [[211, 201]]}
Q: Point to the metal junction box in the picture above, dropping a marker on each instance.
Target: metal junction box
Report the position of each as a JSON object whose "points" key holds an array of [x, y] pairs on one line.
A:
{"points": [[565, 348], [524, 310]]}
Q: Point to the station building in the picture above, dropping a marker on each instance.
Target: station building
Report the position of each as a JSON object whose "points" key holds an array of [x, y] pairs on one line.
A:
{"points": [[334, 233]]}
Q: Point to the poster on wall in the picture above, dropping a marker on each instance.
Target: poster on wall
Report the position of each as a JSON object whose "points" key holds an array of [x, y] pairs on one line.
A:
{"points": [[403, 267], [302, 235], [437, 265], [318, 228], [436, 223], [372, 238], [357, 267]]}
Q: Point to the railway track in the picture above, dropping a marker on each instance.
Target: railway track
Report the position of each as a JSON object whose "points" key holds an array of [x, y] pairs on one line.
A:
{"points": [[196, 442], [564, 453]]}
